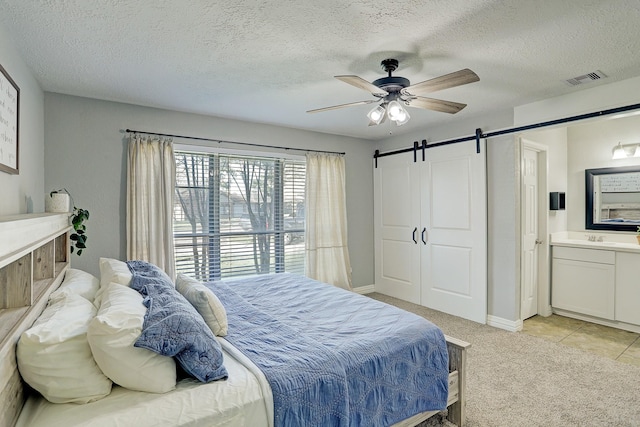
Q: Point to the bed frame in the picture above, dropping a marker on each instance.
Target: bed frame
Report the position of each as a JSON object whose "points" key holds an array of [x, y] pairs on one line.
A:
{"points": [[35, 254]]}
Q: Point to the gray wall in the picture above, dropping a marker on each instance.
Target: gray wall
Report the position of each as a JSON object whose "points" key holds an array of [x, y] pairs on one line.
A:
{"points": [[502, 204], [503, 227], [24, 193], [86, 154]]}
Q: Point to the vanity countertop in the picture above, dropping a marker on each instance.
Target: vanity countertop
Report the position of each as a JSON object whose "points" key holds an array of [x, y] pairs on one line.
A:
{"points": [[610, 242]]}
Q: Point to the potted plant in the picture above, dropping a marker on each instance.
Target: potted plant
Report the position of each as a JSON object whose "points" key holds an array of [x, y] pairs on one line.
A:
{"points": [[58, 201], [638, 234], [79, 238]]}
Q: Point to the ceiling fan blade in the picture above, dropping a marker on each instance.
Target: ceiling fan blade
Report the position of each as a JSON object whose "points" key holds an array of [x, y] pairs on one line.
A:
{"points": [[335, 107], [447, 81], [436, 105], [361, 83]]}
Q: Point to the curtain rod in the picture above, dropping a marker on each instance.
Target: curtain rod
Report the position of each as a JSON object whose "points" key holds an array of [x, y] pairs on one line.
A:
{"points": [[479, 134], [234, 142]]}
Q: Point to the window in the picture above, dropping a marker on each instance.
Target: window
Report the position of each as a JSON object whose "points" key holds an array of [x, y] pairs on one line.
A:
{"points": [[238, 215]]}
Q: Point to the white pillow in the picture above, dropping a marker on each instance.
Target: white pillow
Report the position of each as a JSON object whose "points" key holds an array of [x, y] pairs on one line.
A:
{"points": [[112, 271], [77, 282], [205, 302], [111, 336], [54, 356]]}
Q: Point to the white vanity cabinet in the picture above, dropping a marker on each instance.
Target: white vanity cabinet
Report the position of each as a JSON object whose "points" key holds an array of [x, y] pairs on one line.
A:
{"points": [[584, 280], [628, 287], [597, 279]]}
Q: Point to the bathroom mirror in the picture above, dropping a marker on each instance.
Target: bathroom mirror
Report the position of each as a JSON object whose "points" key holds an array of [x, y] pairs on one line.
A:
{"points": [[613, 198]]}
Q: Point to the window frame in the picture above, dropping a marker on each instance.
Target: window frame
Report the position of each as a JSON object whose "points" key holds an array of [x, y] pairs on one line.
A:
{"points": [[215, 250]]}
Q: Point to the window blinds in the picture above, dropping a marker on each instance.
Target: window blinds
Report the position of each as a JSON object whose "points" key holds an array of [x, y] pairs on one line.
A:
{"points": [[238, 215]]}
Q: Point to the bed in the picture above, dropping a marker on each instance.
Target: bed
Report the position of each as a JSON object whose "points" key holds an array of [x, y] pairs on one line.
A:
{"points": [[259, 311]]}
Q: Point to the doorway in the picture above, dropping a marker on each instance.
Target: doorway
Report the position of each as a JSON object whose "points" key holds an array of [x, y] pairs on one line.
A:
{"points": [[534, 258]]}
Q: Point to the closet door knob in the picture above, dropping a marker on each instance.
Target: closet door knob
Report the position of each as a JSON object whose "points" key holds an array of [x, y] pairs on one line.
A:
{"points": [[415, 230], [424, 230]]}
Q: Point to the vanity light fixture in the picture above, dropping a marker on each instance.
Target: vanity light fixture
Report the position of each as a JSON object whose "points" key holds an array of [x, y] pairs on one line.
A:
{"points": [[618, 152], [623, 151]]}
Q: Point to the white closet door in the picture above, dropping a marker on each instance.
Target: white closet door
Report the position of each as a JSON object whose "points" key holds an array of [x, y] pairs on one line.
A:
{"points": [[454, 220], [397, 221]]}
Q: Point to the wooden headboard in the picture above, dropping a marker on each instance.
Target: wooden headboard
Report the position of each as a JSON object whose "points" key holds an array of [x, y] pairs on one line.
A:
{"points": [[34, 255]]}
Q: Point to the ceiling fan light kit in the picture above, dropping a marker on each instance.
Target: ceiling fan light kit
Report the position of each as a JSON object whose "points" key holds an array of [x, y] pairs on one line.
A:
{"points": [[397, 113], [376, 115], [394, 91], [393, 110]]}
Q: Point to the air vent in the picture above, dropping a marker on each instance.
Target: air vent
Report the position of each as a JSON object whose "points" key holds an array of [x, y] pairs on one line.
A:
{"points": [[586, 78]]}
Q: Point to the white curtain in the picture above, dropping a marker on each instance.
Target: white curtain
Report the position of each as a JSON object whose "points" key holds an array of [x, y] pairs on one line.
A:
{"points": [[327, 253], [150, 191]]}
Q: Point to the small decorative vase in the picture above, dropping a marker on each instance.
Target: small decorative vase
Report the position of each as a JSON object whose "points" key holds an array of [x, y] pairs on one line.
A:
{"points": [[638, 237]]}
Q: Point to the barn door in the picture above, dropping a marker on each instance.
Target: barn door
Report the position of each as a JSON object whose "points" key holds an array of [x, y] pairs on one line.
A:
{"points": [[454, 224], [397, 217]]}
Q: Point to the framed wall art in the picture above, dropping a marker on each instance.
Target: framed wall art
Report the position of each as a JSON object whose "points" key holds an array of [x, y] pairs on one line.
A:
{"points": [[9, 123]]}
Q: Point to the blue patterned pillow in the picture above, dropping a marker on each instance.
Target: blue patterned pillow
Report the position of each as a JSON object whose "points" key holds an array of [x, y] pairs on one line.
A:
{"points": [[172, 327]]}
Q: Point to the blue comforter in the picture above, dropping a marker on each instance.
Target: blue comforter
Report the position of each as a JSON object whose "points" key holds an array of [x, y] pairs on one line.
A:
{"points": [[332, 357]]}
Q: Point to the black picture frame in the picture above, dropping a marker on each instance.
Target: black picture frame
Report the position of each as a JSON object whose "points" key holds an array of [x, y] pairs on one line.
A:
{"points": [[589, 187], [9, 124]]}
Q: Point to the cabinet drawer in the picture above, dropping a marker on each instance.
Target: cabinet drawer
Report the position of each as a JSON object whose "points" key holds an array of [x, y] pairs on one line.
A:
{"points": [[586, 255]]}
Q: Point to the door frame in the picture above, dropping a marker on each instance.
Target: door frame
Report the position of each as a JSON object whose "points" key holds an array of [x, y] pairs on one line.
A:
{"points": [[543, 285]]}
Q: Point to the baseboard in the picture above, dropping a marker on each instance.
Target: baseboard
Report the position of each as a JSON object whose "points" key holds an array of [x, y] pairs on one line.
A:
{"points": [[507, 325], [364, 289]]}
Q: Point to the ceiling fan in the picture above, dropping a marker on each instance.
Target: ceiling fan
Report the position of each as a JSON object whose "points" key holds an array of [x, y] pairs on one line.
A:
{"points": [[394, 91]]}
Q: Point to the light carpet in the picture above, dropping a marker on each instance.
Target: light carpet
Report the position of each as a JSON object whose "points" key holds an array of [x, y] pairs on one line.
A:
{"points": [[516, 379]]}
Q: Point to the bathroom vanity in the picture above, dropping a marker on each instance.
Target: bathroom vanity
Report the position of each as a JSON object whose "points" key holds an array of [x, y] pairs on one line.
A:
{"points": [[596, 277]]}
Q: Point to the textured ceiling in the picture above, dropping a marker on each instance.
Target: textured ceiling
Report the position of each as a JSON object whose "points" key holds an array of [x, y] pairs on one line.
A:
{"points": [[270, 61]]}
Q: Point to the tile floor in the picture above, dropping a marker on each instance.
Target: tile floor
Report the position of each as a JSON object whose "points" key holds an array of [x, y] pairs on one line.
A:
{"points": [[623, 346]]}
